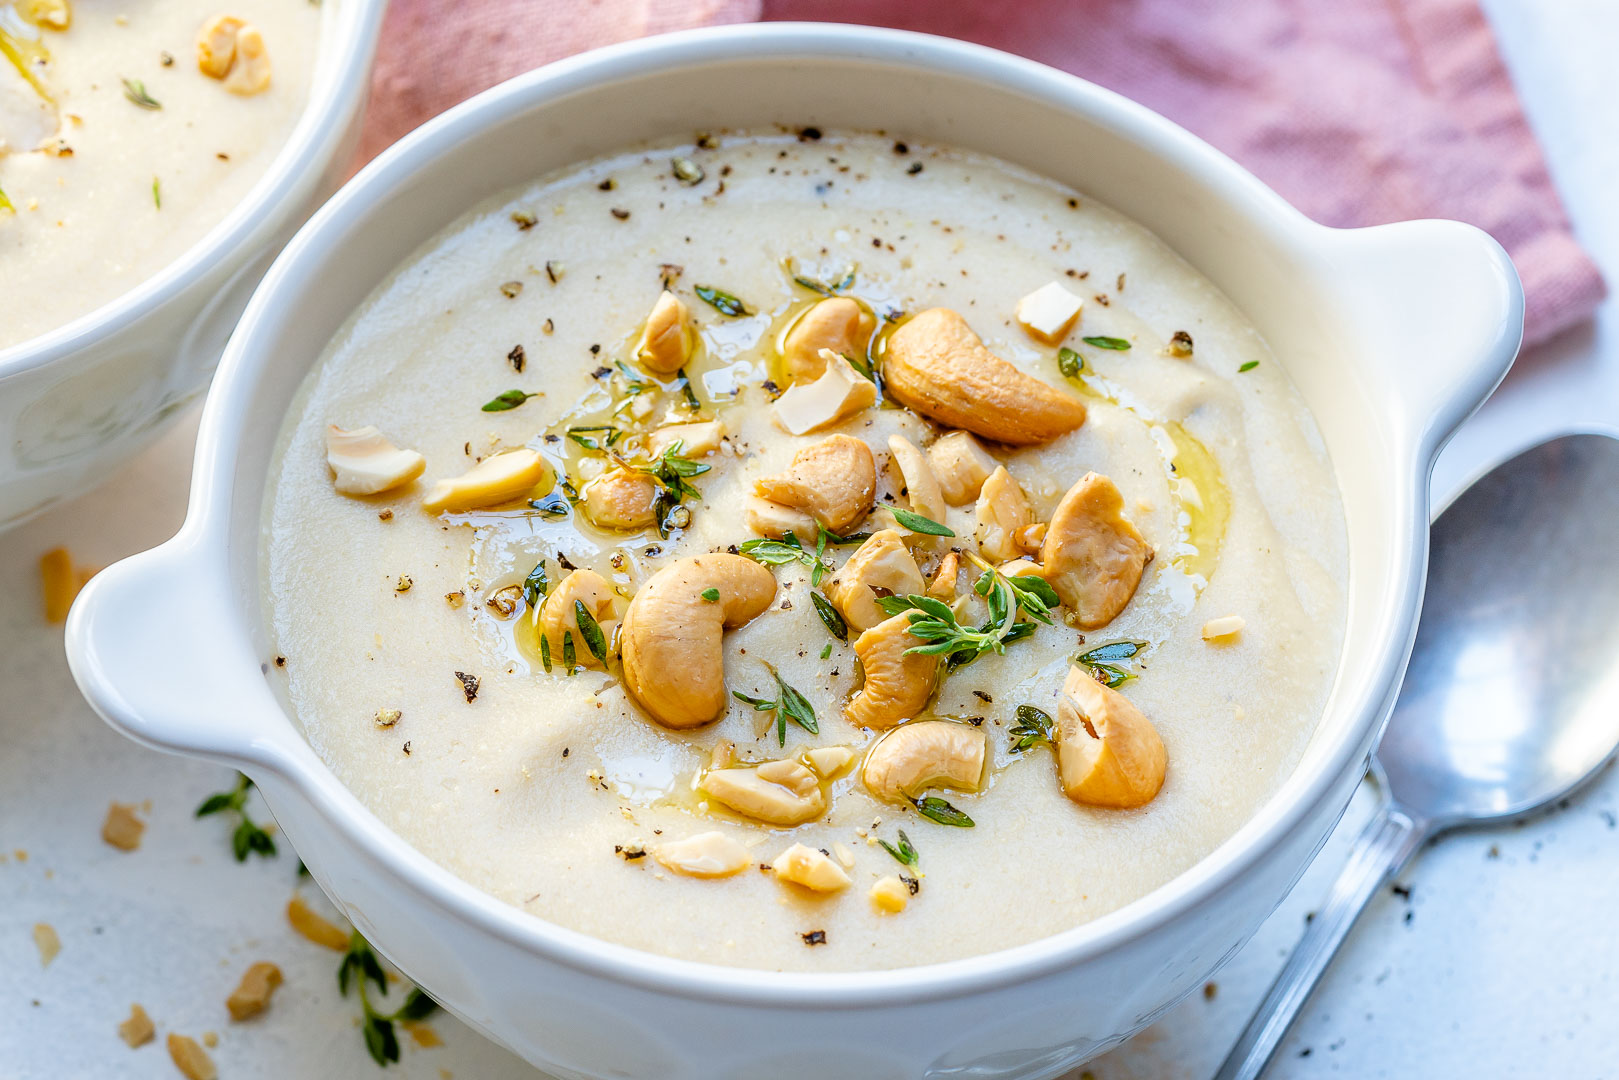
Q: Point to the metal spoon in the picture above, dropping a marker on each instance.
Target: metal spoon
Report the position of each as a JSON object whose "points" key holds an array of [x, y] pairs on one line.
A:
{"points": [[1511, 699]]}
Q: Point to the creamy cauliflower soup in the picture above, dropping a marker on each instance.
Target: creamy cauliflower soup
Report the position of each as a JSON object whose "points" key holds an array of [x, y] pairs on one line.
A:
{"points": [[804, 551], [128, 129]]}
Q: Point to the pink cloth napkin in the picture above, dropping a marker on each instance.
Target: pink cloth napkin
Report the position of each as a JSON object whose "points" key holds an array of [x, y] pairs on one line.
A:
{"points": [[1358, 113]]}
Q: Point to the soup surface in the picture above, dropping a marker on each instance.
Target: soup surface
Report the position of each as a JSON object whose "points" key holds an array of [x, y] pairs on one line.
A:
{"points": [[118, 151], [568, 772]]}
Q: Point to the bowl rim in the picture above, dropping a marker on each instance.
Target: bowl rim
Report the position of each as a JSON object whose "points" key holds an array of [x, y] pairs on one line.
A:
{"points": [[339, 85], [207, 533]]}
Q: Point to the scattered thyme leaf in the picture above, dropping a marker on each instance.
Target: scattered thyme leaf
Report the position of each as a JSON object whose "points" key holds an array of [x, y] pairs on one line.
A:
{"points": [[590, 630], [1033, 727], [1103, 662], [553, 505], [1069, 362], [536, 585], [826, 650], [1249, 366], [939, 810], [1117, 343], [904, 852], [835, 624], [711, 594], [135, 91], [157, 193], [788, 705], [919, 524], [722, 301], [508, 400]]}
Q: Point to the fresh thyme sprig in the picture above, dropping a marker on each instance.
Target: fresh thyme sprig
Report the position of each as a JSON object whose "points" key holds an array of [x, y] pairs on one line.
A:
{"points": [[788, 549], [1006, 596], [360, 965], [672, 471], [1103, 661], [1005, 593], [1034, 726], [788, 705], [248, 838], [904, 852]]}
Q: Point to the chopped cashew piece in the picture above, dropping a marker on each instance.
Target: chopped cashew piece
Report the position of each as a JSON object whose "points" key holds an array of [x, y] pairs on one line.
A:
{"points": [[312, 926], [890, 894], [621, 498], [364, 462], [55, 14], [1002, 511], [122, 829], [943, 585], [916, 477], [706, 855], [1049, 312], [836, 324], [557, 618], [191, 1059], [840, 391], [1108, 754], [882, 562], [1092, 555], [250, 74], [1224, 627], [898, 684], [829, 761], [924, 754], [673, 655], [775, 520], [961, 465], [810, 868], [939, 367], [494, 480], [666, 341], [776, 793], [61, 582], [47, 942], [216, 45], [696, 438], [1030, 538], [834, 481], [252, 994], [138, 1030]]}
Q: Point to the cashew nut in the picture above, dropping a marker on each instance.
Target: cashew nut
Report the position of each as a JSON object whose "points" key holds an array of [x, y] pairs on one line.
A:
{"points": [[365, 462], [926, 753], [921, 487], [1030, 538], [1108, 753], [216, 45], [621, 498], [840, 391], [252, 994], [673, 656], [829, 761], [834, 481], [557, 618], [882, 562], [492, 481], [1225, 626], [250, 74], [666, 341], [939, 367], [776, 792], [1002, 510], [233, 50], [1049, 312], [54, 14], [696, 439], [890, 894], [898, 684], [943, 585], [961, 465], [836, 323], [706, 855], [810, 868], [775, 520], [1092, 555]]}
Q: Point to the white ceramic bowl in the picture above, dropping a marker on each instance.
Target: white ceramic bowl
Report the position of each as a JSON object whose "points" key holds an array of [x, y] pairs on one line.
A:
{"points": [[77, 402], [1393, 335]]}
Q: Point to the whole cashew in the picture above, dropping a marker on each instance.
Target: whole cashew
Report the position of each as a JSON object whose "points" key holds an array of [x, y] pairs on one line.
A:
{"points": [[926, 753], [939, 367], [621, 498], [557, 618], [836, 323], [674, 660], [921, 486], [501, 478], [1092, 555], [666, 341], [1108, 753], [882, 562], [834, 481], [898, 685]]}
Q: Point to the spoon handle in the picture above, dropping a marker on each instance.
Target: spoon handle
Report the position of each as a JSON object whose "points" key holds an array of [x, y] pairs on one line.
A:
{"points": [[1379, 853]]}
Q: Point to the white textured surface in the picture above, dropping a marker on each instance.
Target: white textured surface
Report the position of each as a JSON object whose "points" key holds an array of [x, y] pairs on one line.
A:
{"points": [[1498, 965]]}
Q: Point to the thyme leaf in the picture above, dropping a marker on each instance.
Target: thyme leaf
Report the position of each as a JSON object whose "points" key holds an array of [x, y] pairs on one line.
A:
{"points": [[789, 704], [835, 624], [904, 852], [359, 966], [722, 301], [536, 585], [247, 838], [507, 400], [919, 524], [711, 594], [939, 810], [1107, 342], [590, 630], [1103, 662], [1069, 362], [1033, 727], [1249, 366], [135, 91]]}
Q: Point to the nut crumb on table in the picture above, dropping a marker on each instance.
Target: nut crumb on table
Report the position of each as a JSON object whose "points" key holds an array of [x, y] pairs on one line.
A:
{"points": [[47, 942], [122, 829], [138, 1030], [252, 994], [190, 1058]]}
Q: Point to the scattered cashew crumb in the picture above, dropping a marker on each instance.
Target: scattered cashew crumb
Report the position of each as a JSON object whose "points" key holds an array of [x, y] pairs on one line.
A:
{"points": [[423, 1036], [46, 941], [61, 582], [122, 829], [192, 1060], [890, 894], [210, 1039], [252, 994], [810, 868], [312, 926], [841, 851], [1223, 627], [387, 717], [138, 1030]]}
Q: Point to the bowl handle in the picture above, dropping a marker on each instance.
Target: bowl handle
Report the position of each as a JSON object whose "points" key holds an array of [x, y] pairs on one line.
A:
{"points": [[151, 654], [1445, 299]]}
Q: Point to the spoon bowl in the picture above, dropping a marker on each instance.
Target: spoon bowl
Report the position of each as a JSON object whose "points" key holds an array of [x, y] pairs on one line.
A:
{"points": [[1511, 697]]}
